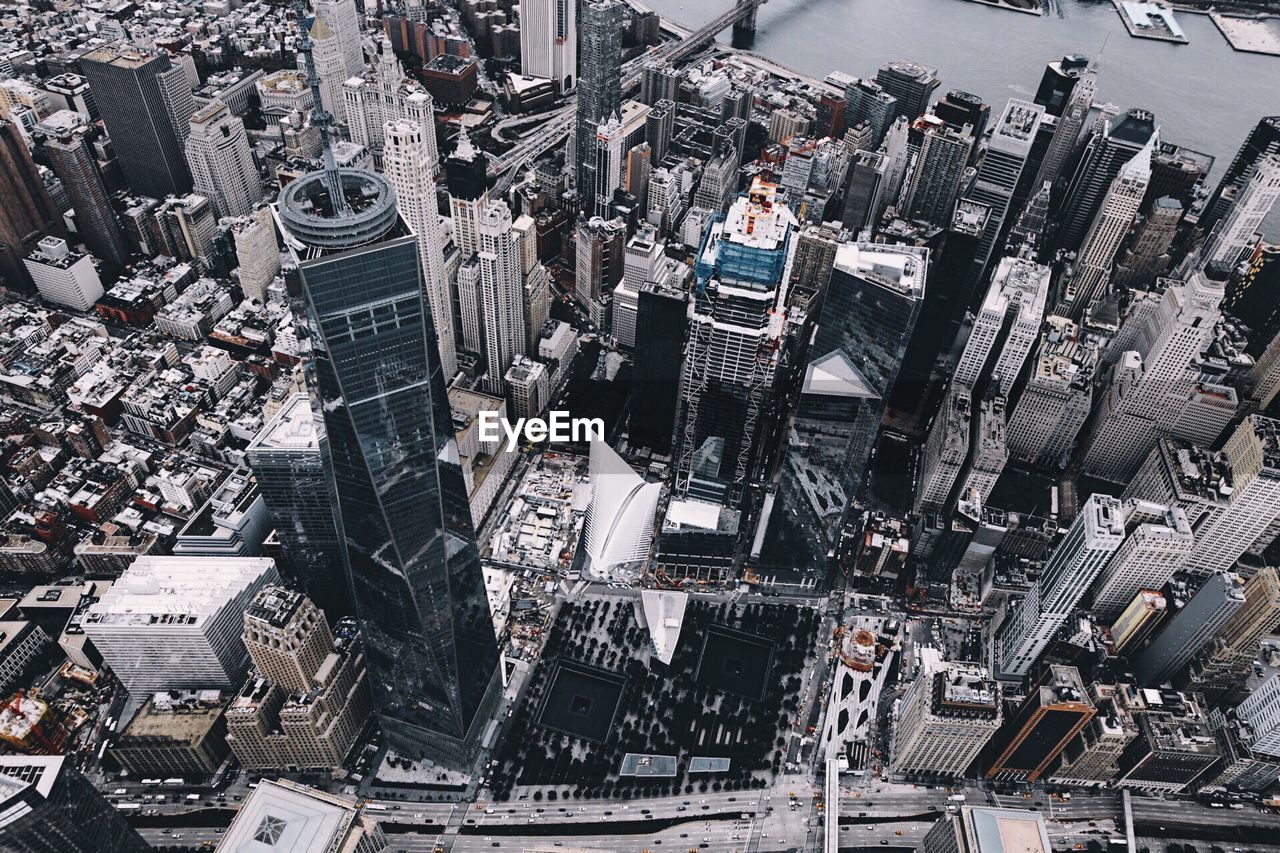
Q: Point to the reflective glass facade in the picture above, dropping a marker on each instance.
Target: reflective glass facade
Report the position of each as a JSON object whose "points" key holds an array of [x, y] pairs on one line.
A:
{"points": [[410, 546]]}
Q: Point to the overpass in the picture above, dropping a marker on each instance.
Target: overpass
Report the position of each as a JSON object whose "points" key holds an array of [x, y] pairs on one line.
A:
{"points": [[742, 17]]}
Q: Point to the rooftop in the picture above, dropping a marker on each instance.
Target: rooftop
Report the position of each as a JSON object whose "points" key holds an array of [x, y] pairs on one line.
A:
{"points": [[185, 717]]}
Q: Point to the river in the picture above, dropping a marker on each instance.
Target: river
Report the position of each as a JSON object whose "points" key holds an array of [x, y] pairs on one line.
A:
{"points": [[1205, 95]]}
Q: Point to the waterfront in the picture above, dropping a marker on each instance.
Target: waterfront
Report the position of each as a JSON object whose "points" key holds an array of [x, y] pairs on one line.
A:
{"points": [[1204, 94]]}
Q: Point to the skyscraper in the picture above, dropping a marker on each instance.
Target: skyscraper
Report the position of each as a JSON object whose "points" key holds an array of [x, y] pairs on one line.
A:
{"points": [[1108, 150], [662, 323], [997, 178], [1187, 631], [1004, 330], [1262, 140], [501, 295], [383, 94], [599, 83], [26, 211], [1073, 566], [1224, 664], [1157, 538], [911, 83], [734, 347], [72, 161], [867, 101], [1058, 395], [1149, 252], [1236, 233], [549, 42], [343, 19], [944, 152], [868, 314], [948, 714], [381, 410], [1055, 711], [1092, 270], [127, 88], [222, 167], [1152, 385], [467, 180], [50, 806], [408, 163], [292, 470], [1262, 712]]}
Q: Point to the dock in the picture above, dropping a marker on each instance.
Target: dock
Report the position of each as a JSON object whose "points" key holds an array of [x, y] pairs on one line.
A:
{"points": [[1249, 35], [1149, 21], [1027, 7]]}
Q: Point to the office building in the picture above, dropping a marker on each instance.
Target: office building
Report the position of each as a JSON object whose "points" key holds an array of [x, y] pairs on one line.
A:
{"points": [[662, 323], [288, 461], [1072, 568], [1091, 272], [432, 655], [127, 88], [49, 806], [1157, 540], [1226, 661], [257, 254], [288, 817], [734, 345], [948, 714], [176, 733], [27, 213], [1175, 743], [466, 176], [1253, 453], [1148, 254], [408, 161], [62, 276], [343, 20], [549, 42], [318, 695], [1057, 396], [1151, 386], [867, 102], [617, 134], [1108, 150], [1186, 632], [1264, 139], [911, 83], [998, 175], [1237, 231], [1053, 714], [1002, 334], [600, 252], [331, 65], [386, 94], [1261, 711], [499, 295], [930, 194], [978, 829], [73, 162], [870, 309], [1254, 292], [1079, 85], [222, 168], [1092, 759], [171, 623], [599, 83]]}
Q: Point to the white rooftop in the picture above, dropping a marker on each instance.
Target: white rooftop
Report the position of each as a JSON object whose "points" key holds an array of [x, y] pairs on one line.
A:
{"points": [[161, 591], [291, 429], [284, 817], [663, 613]]}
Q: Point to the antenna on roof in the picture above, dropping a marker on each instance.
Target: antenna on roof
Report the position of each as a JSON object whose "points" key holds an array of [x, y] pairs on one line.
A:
{"points": [[320, 117]]}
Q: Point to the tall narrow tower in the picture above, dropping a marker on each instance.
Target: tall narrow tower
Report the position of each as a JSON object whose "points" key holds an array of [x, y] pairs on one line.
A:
{"points": [[382, 413], [600, 83], [549, 41], [407, 163]]}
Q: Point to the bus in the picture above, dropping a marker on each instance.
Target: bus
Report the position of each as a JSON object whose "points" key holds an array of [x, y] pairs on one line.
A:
{"points": [[174, 782], [151, 781], [377, 807], [191, 798], [128, 807]]}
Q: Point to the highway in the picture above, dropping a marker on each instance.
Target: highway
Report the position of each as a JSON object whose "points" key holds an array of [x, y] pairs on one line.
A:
{"points": [[561, 122]]}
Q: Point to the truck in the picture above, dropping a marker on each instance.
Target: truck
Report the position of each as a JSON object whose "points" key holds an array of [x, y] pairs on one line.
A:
{"points": [[956, 798]]}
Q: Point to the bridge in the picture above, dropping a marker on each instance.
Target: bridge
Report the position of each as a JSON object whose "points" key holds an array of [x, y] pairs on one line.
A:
{"points": [[742, 17]]}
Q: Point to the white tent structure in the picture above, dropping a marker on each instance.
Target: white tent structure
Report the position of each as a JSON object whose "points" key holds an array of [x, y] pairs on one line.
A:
{"points": [[619, 524]]}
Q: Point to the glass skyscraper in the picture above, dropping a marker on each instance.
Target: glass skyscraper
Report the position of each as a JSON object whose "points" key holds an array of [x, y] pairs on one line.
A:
{"points": [[868, 314], [382, 416]]}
